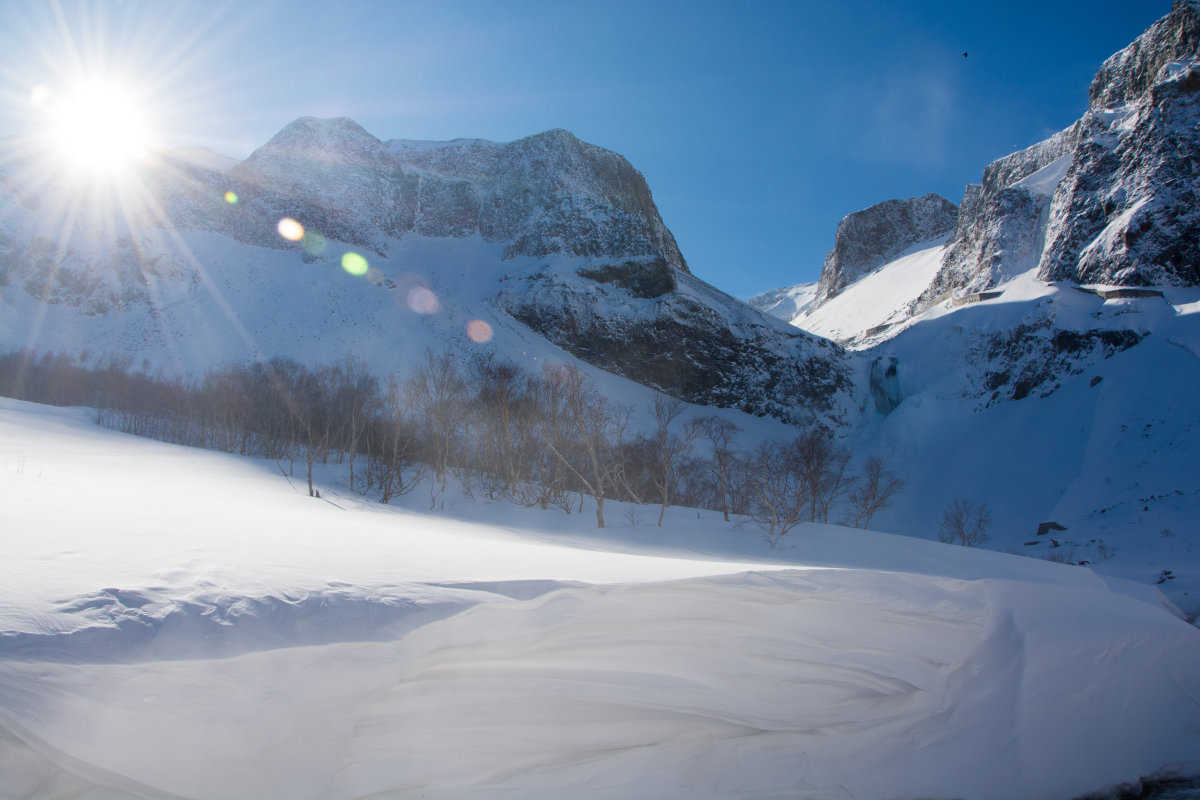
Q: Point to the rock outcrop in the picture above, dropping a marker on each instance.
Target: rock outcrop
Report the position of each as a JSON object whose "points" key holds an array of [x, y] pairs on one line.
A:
{"points": [[870, 238], [1115, 198]]}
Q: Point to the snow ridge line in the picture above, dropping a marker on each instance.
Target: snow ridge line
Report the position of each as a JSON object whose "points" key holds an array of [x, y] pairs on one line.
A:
{"points": [[131, 625]]}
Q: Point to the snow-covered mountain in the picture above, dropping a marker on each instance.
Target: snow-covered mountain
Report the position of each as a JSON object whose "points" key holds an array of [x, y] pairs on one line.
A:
{"points": [[1047, 350], [1112, 199], [870, 238], [942, 351], [785, 303], [548, 237]]}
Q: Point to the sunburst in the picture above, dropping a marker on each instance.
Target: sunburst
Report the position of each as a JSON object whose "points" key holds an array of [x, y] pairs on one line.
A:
{"points": [[99, 125]]}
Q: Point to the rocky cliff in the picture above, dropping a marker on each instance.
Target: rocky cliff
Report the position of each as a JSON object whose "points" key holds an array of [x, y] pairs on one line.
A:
{"points": [[1111, 200], [870, 238]]}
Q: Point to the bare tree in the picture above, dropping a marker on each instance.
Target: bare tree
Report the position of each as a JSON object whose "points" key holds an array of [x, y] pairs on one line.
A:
{"points": [[506, 414], [668, 447], [392, 455], [594, 432], [722, 434], [965, 522], [436, 393], [822, 469], [779, 493], [874, 491], [356, 395]]}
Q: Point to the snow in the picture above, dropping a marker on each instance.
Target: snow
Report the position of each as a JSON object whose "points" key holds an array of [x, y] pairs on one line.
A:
{"points": [[785, 303], [177, 623], [878, 298], [1046, 180]]}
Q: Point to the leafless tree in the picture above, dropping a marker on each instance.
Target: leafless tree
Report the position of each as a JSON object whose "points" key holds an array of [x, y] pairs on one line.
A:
{"points": [[822, 470], [965, 522], [392, 456], [590, 444], [436, 393], [722, 434], [779, 493], [876, 488], [668, 447]]}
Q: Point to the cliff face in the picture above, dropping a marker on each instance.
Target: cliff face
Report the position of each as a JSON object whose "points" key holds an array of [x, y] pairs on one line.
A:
{"points": [[872, 237], [1112, 199]]}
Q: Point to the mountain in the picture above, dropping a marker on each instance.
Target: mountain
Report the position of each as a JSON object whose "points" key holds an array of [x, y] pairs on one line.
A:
{"points": [[946, 340], [1046, 353], [1112, 199], [870, 238], [785, 303], [551, 235]]}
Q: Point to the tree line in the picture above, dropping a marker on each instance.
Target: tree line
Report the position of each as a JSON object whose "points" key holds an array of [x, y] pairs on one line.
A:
{"points": [[547, 439]]}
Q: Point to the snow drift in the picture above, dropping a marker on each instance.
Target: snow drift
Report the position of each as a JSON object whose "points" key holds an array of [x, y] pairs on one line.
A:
{"points": [[393, 653]]}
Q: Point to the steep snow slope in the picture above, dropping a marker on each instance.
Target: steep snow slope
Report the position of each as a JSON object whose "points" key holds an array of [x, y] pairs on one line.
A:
{"points": [[190, 625], [874, 304]]}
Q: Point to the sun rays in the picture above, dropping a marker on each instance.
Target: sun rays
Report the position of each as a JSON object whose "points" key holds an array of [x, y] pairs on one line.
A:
{"points": [[98, 125]]}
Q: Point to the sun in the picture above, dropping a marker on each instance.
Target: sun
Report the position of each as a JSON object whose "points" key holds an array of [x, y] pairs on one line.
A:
{"points": [[98, 125]]}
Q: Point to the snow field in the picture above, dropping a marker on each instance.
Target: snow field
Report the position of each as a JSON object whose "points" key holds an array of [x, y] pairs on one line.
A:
{"points": [[189, 625]]}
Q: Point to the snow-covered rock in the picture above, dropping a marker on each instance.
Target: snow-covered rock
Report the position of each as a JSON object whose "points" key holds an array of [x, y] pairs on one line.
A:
{"points": [[785, 303], [558, 234], [870, 238], [1110, 200], [684, 338]]}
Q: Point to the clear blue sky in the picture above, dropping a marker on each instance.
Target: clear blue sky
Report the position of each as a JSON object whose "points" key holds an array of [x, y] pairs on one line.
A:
{"points": [[758, 124]]}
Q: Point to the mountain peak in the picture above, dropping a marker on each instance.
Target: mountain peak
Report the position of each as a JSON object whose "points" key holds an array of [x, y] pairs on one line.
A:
{"points": [[308, 135], [1126, 75], [874, 236]]}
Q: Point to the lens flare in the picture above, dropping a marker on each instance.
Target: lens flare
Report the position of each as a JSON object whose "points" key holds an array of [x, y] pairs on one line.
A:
{"points": [[39, 95], [290, 229], [355, 264], [314, 243], [423, 301], [98, 124], [231, 197], [479, 331]]}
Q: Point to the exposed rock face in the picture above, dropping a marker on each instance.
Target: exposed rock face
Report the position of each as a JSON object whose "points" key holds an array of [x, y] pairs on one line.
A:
{"points": [[1114, 198], [870, 238], [1000, 228], [692, 342], [545, 194]]}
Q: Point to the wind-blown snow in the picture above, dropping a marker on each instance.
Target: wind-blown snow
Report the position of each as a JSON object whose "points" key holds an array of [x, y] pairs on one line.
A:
{"points": [[176, 623]]}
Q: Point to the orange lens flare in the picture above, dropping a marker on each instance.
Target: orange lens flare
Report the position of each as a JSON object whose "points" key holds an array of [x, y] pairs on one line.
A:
{"points": [[290, 229], [479, 331]]}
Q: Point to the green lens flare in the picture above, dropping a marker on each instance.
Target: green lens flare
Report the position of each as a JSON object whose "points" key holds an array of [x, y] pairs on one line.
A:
{"points": [[314, 243], [355, 264], [231, 197]]}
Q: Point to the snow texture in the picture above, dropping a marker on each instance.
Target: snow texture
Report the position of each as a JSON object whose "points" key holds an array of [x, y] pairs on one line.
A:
{"points": [[191, 626]]}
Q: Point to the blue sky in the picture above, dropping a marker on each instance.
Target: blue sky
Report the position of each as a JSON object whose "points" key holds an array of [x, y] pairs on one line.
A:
{"points": [[757, 124]]}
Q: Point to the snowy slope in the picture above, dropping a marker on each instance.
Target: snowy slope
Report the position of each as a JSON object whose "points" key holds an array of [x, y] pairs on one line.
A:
{"points": [[785, 303], [191, 625], [879, 300]]}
